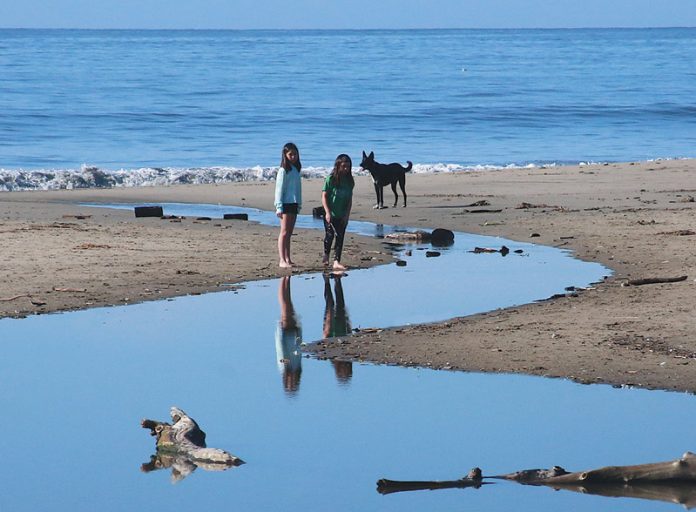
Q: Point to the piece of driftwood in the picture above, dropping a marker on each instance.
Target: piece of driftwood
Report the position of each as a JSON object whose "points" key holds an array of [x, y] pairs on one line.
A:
{"points": [[438, 237], [672, 481], [148, 211], [78, 217], [530, 476], [654, 280], [235, 216], [682, 469], [503, 250], [10, 299], [473, 479], [182, 447], [679, 232], [528, 206], [414, 236]]}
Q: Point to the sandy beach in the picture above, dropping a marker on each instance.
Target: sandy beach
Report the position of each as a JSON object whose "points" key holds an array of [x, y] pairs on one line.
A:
{"points": [[635, 218]]}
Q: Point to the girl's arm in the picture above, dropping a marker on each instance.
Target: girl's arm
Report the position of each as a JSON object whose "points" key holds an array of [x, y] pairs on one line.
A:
{"points": [[325, 204], [299, 192], [350, 206], [280, 183]]}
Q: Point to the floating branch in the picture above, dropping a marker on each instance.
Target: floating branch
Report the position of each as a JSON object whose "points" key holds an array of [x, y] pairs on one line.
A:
{"points": [[683, 469], [182, 447], [671, 481], [473, 479], [654, 280]]}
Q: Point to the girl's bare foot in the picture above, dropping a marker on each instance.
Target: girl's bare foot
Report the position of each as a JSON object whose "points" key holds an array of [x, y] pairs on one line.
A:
{"points": [[285, 264], [337, 266]]}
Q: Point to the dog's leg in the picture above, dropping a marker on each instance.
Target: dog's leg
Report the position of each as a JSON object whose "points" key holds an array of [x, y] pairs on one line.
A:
{"points": [[377, 189], [396, 195], [402, 184]]}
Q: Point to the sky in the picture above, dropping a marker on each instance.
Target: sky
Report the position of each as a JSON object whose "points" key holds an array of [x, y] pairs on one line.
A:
{"points": [[342, 14]]}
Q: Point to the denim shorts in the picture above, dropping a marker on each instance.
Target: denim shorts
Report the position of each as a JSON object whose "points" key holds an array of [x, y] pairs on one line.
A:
{"points": [[290, 208]]}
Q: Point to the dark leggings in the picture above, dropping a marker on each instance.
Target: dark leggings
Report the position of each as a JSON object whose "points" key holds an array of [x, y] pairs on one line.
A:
{"points": [[337, 228]]}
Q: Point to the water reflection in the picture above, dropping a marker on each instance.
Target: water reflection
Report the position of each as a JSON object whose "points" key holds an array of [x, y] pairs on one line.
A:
{"points": [[288, 339], [682, 493], [337, 322], [180, 465], [181, 446]]}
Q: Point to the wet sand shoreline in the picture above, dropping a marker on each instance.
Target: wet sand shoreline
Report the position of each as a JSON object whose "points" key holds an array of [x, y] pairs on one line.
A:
{"points": [[635, 218]]}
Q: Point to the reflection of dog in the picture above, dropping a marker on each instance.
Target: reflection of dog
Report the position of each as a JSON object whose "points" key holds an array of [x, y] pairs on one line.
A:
{"points": [[386, 174]]}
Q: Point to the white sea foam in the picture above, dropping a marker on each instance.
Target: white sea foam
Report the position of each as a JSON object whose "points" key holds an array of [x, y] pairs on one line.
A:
{"points": [[93, 177]]}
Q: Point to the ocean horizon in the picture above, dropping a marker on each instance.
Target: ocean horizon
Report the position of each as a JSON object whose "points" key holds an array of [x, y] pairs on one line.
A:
{"points": [[132, 107]]}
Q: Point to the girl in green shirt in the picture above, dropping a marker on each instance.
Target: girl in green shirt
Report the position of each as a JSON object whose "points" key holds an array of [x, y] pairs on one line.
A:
{"points": [[337, 199]]}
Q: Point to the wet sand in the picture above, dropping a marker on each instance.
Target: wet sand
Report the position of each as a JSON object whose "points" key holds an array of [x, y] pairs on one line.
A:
{"points": [[635, 218]]}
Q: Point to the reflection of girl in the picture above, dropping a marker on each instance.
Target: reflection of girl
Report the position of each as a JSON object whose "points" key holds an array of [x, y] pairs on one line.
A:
{"points": [[288, 200], [337, 200], [337, 323], [288, 339]]}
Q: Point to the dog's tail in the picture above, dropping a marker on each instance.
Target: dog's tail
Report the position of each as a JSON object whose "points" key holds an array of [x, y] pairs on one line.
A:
{"points": [[409, 166]]}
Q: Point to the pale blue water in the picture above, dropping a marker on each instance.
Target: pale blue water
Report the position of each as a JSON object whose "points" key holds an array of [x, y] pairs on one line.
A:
{"points": [[218, 105], [73, 388]]}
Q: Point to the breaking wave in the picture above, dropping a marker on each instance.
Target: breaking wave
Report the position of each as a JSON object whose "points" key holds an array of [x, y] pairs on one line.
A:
{"points": [[94, 177]]}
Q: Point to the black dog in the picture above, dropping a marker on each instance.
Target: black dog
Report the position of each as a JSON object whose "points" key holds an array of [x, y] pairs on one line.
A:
{"points": [[386, 174]]}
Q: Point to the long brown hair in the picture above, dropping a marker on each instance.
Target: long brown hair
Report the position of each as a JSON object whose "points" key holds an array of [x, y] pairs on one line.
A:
{"points": [[284, 161], [336, 175]]}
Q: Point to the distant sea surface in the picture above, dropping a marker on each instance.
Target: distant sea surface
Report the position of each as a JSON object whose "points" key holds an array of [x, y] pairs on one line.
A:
{"points": [[81, 108]]}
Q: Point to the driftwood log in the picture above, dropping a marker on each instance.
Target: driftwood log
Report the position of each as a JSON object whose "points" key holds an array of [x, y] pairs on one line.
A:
{"points": [[438, 237], [503, 250], [409, 237], [182, 447], [654, 280], [671, 481], [473, 479]]}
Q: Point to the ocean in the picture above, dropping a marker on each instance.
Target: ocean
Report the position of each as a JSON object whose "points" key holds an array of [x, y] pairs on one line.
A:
{"points": [[86, 108]]}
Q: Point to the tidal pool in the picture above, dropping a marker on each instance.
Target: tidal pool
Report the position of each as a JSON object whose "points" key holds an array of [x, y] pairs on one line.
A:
{"points": [[315, 435]]}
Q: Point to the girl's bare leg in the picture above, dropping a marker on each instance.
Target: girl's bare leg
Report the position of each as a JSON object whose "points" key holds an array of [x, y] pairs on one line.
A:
{"points": [[282, 236], [292, 218], [287, 224]]}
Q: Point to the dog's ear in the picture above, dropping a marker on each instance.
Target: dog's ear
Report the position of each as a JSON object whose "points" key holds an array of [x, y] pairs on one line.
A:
{"points": [[364, 155], [372, 155]]}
